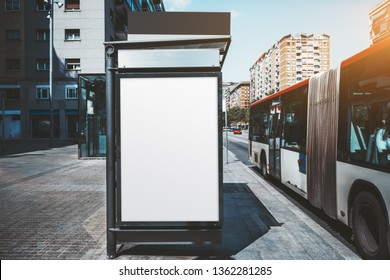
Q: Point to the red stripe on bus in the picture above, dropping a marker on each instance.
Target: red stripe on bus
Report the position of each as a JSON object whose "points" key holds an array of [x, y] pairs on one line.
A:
{"points": [[276, 94], [373, 49]]}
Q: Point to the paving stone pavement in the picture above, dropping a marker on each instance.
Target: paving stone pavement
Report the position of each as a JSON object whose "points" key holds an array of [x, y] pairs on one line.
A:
{"points": [[52, 206]]}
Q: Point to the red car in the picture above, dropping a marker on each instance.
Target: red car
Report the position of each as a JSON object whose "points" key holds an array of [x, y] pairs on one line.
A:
{"points": [[237, 131]]}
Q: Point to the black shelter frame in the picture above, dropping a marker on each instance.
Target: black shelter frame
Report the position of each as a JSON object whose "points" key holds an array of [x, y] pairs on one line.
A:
{"points": [[119, 231]]}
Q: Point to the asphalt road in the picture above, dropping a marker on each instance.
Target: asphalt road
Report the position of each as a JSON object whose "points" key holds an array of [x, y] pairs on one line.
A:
{"points": [[238, 144]]}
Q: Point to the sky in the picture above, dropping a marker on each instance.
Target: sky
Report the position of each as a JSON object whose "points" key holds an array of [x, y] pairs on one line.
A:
{"points": [[258, 24]]}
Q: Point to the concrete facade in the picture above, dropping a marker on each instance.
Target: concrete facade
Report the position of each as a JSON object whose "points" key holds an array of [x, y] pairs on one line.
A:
{"points": [[12, 59], [379, 22], [80, 28], [292, 59], [239, 96]]}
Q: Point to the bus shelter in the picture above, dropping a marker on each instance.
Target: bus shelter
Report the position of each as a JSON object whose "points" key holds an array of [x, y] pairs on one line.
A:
{"points": [[164, 136]]}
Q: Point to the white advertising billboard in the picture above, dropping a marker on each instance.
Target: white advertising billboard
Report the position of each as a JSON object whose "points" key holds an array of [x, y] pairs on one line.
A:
{"points": [[169, 157]]}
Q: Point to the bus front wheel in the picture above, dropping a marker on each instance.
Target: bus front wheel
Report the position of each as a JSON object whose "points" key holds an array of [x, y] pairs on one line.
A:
{"points": [[369, 226]]}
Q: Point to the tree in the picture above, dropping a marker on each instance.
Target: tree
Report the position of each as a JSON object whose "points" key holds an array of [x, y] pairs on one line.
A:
{"points": [[238, 115]]}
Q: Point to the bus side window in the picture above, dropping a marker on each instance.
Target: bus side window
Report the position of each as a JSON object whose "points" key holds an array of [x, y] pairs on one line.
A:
{"points": [[290, 130], [264, 124], [369, 134], [255, 128], [381, 136], [294, 134], [259, 127], [358, 141]]}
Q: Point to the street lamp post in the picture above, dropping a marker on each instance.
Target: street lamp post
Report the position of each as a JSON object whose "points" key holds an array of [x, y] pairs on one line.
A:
{"points": [[226, 131], [51, 28]]}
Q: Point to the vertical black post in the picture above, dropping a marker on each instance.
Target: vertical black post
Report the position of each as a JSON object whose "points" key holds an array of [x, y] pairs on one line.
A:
{"points": [[110, 153], [3, 126], [51, 15]]}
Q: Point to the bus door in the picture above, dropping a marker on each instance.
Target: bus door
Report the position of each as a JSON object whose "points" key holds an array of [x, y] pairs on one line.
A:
{"points": [[275, 140]]}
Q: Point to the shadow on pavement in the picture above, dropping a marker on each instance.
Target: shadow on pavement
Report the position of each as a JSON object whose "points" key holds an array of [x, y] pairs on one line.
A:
{"points": [[245, 220], [12, 147]]}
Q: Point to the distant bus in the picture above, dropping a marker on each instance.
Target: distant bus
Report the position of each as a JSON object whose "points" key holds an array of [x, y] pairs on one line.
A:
{"points": [[327, 138]]}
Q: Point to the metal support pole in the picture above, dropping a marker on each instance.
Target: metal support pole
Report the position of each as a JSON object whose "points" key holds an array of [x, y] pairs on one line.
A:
{"points": [[51, 72], [3, 127], [110, 153], [226, 134]]}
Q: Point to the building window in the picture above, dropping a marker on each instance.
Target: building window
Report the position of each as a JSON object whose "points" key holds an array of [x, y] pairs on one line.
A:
{"points": [[42, 35], [72, 5], [71, 92], [42, 7], [72, 64], [13, 64], [42, 92], [43, 65], [12, 35], [12, 93], [12, 5], [72, 34]]}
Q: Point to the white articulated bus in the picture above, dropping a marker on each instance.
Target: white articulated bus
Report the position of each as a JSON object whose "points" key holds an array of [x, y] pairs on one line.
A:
{"points": [[328, 139]]}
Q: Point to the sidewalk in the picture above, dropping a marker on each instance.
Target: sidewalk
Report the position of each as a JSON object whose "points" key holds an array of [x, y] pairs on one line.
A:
{"points": [[23, 146], [52, 206], [297, 237]]}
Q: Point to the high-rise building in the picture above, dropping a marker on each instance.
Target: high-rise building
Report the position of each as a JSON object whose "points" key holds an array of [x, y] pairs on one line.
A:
{"points": [[292, 59], [79, 29], [264, 74], [379, 22]]}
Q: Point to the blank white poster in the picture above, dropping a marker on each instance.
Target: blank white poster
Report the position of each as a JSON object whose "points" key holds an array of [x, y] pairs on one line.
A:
{"points": [[169, 149]]}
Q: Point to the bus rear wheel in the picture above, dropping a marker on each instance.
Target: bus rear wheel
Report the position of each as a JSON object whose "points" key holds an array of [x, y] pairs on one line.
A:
{"points": [[369, 226]]}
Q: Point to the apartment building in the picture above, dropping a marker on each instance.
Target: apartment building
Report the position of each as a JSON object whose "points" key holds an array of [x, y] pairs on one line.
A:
{"points": [[264, 74], [379, 18], [79, 29], [12, 59], [227, 87], [292, 59], [239, 96]]}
